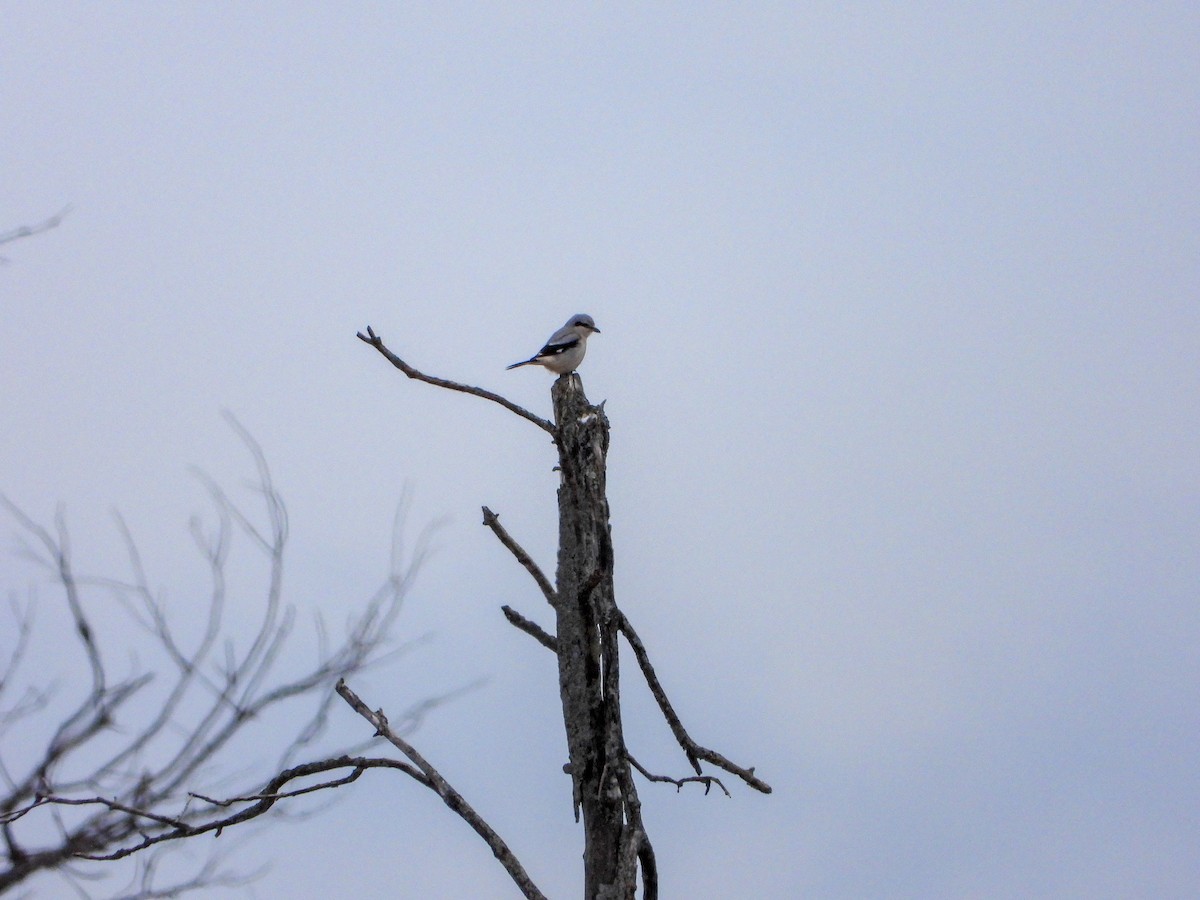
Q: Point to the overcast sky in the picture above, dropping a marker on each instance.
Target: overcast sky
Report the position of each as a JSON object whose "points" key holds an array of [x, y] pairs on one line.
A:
{"points": [[901, 322]]}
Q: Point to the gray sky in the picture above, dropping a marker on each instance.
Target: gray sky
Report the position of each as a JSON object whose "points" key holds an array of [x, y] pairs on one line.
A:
{"points": [[900, 337]]}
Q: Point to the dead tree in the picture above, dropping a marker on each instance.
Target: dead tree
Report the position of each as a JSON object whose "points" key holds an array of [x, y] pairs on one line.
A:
{"points": [[586, 643], [588, 628]]}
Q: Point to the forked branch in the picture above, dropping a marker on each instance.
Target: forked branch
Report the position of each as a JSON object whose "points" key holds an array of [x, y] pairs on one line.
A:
{"points": [[707, 780], [128, 761], [377, 342], [693, 751], [156, 828]]}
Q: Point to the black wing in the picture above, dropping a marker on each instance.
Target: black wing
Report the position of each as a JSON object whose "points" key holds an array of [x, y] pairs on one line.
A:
{"points": [[554, 349]]}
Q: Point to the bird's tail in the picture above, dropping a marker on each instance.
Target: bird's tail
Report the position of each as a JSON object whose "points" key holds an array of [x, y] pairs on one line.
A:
{"points": [[522, 363]]}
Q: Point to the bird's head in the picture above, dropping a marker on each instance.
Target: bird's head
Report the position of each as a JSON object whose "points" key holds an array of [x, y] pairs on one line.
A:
{"points": [[584, 321]]}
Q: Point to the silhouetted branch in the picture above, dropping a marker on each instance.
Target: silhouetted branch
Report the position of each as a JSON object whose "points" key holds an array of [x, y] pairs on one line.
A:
{"points": [[492, 521], [377, 342], [58, 554], [7, 237], [452, 798], [533, 629], [128, 768], [33, 700], [691, 749], [707, 780], [258, 804]]}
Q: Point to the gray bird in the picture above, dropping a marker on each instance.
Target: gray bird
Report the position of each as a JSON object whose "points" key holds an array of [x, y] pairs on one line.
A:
{"points": [[564, 351]]}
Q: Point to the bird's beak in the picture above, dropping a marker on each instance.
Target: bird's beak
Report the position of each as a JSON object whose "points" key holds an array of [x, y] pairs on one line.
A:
{"points": [[595, 329]]}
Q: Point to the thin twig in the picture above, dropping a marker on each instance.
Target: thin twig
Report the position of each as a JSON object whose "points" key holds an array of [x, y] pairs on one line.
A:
{"points": [[23, 622], [299, 792], [492, 521], [265, 799], [377, 342], [533, 629], [126, 794], [58, 552], [707, 780], [115, 805], [25, 231], [449, 795]]}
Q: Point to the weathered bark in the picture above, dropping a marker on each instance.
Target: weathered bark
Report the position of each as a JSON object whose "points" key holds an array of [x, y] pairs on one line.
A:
{"points": [[587, 631]]}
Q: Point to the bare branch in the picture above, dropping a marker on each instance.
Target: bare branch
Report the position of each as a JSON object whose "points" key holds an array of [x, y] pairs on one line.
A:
{"points": [[707, 780], [259, 804], [449, 795], [93, 716], [691, 749], [7, 237], [24, 624], [114, 805], [59, 553], [492, 521], [532, 629], [189, 671], [130, 766], [377, 342]]}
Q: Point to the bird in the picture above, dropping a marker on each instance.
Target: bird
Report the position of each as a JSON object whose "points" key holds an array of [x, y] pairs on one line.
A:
{"points": [[564, 351]]}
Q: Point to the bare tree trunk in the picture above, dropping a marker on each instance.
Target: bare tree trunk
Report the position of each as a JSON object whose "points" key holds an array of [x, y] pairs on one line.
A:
{"points": [[589, 623], [587, 641]]}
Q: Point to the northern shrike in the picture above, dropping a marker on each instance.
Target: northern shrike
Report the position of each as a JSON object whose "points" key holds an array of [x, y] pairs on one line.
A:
{"points": [[564, 351]]}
